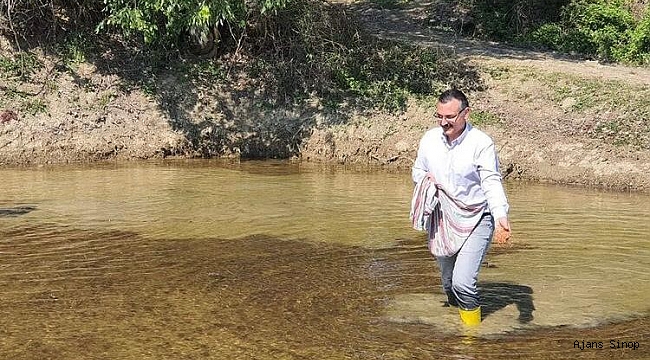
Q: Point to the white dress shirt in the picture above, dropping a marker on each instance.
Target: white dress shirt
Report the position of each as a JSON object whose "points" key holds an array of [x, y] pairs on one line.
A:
{"points": [[467, 168]]}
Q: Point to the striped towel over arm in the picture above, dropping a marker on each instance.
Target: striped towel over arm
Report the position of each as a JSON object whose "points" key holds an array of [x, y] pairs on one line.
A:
{"points": [[448, 222]]}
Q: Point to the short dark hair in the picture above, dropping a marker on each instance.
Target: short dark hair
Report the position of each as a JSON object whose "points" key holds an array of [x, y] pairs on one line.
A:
{"points": [[451, 94]]}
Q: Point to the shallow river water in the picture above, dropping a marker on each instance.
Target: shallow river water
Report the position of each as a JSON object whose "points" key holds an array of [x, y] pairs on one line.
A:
{"points": [[274, 260]]}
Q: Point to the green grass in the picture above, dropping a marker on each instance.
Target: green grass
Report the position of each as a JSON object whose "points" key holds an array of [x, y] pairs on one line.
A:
{"points": [[498, 72], [205, 71], [34, 106], [620, 109], [614, 112], [588, 94], [23, 65], [11, 92], [484, 118], [106, 99], [75, 49]]}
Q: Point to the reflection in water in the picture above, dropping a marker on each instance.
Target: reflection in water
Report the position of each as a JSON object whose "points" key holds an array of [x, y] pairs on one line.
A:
{"points": [[193, 260]]}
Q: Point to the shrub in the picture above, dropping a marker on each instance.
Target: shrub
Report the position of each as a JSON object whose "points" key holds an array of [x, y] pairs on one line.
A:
{"points": [[601, 25], [313, 48], [508, 20], [600, 28], [166, 22], [638, 48], [25, 20], [22, 65], [551, 35]]}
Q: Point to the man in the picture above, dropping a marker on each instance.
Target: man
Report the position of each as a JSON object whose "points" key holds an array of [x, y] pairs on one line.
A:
{"points": [[460, 162]]}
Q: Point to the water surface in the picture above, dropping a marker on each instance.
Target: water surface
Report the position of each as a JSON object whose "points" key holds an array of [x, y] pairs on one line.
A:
{"points": [[268, 260]]}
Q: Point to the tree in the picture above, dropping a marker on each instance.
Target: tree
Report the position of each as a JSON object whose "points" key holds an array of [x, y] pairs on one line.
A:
{"points": [[167, 22]]}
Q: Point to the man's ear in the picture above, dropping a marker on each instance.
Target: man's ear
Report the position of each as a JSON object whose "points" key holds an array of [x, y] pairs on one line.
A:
{"points": [[467, 111]]}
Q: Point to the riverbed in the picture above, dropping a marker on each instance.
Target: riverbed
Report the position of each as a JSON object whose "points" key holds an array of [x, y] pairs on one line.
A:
{"points": [[282, 260]]}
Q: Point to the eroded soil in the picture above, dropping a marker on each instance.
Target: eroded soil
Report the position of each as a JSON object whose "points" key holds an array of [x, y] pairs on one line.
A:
{"points": [[540, 137]]}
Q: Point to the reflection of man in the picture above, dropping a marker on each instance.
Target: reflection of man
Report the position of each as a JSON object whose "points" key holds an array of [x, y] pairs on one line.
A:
{"points": [[460, 164]]}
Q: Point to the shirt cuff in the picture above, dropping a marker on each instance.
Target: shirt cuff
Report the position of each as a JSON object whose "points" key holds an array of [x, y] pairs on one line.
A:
{"points": [[499, 212]]}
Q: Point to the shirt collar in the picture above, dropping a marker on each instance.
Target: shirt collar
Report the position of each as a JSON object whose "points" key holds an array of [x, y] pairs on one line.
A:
{"points": [[459, 139]]}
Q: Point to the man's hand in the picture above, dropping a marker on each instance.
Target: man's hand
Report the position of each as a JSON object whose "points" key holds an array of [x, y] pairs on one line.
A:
{"points": [[504, 223], [502, 231]]}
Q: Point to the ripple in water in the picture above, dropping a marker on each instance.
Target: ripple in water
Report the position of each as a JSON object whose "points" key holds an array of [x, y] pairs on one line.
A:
{"points": [[211, 262]]}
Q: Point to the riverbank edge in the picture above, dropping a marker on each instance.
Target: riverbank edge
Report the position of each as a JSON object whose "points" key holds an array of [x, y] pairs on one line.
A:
{"points": [[85, 117], [366, 143]]}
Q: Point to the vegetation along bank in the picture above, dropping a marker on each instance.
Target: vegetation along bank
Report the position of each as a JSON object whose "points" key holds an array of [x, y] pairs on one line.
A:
{"points": [[562, 86]]}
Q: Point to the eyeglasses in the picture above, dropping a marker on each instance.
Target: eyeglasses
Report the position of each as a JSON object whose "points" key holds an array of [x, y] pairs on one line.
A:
{"points": [[451, 119]]}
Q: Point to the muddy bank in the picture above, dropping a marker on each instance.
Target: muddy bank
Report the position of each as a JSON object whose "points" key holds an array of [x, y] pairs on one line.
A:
{"points": [[90, 115], [135, 127]]}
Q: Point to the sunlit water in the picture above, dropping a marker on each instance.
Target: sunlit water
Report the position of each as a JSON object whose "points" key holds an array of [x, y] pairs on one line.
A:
{"points": [[271, 260]]}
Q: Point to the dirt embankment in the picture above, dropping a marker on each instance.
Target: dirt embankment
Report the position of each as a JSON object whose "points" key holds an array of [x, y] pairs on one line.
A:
{"points": [[89, 117], [543, 136]]}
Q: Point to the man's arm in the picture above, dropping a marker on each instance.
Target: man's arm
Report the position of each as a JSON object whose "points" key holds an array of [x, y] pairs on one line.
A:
{"points": [[420, 167], [491, 183]]}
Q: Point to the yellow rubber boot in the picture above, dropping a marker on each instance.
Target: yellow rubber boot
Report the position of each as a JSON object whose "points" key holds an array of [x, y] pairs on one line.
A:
{"points": [[470, 317]]}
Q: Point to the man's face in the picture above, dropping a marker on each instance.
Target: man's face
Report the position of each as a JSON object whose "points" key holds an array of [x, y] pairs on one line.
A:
{"points": [[451, 118]]}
